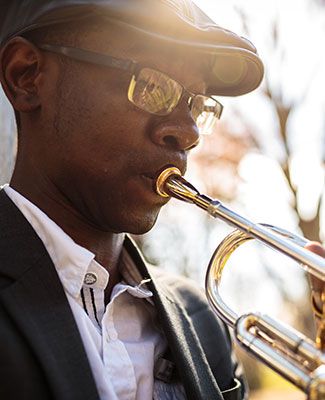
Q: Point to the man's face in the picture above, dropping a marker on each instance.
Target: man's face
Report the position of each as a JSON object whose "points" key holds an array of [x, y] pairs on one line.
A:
{"points": [[100, 151]]}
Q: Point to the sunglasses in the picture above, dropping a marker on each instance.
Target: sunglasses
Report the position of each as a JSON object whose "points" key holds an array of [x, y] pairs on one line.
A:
{"points": [[151, 90]]}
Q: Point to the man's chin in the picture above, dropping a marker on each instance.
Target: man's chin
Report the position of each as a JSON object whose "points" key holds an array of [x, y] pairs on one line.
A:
{"points": [[140, 228], [139, 231], [135, 225]]}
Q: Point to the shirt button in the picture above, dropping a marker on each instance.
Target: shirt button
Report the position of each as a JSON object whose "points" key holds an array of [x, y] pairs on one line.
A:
{"points": [[90, 278]]}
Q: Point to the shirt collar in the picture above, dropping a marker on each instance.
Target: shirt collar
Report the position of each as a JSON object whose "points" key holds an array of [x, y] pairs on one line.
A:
{"points": [[74, 264], [71, 260]]}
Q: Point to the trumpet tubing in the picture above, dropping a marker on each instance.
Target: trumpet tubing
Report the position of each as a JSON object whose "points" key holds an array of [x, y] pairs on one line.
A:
{"points": [[289, 353]]}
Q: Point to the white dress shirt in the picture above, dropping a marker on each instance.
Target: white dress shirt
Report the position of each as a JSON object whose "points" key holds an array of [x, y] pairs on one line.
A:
{"points": [[122, 339]]}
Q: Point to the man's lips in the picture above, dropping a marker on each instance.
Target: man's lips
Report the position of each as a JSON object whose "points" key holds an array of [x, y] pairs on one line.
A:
{"points": [[151, 181], [150, 194], [148, 177], [152, 176]]}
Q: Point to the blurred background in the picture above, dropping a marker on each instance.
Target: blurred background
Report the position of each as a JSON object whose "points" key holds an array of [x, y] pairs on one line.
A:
{"points": [[265, 160]]}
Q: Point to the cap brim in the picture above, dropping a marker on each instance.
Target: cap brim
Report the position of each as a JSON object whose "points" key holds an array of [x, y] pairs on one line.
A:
{"points": [[233, 66]]}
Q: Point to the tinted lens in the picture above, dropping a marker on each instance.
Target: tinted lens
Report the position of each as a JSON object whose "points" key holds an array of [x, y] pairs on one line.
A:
{"points": [[205, 112], [154, 92]]}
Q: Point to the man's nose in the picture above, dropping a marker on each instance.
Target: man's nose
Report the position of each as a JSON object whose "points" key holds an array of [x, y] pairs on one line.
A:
{"points": [[178, 131]]}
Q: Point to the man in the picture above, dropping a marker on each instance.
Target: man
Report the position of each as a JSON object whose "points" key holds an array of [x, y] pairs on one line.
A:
{"points": [[106, 93]]}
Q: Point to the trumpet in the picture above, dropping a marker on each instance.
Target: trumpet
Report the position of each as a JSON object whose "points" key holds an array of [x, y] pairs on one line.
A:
{"points": [[292, 355]]}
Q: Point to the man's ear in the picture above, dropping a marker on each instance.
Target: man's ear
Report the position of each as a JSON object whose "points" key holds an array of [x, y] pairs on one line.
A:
{"points": [[20, 63]]}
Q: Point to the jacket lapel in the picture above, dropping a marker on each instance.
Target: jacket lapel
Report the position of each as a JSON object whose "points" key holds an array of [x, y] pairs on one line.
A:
{"points": [[35, 300], [191, 363]]}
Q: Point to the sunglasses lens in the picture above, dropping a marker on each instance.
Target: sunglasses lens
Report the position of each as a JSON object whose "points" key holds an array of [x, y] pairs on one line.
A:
{"points": [[157, 93], [205, 112], [154, 92]]}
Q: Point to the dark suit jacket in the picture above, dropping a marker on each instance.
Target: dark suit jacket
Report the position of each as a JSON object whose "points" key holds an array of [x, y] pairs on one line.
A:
{"points": [[41, 352]]}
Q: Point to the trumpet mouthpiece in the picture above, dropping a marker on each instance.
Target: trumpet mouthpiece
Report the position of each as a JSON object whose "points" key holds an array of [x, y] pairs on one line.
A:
{"points": [[162, 180]]}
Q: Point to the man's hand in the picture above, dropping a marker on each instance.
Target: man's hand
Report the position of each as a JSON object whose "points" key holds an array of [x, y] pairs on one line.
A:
{"points": [[316, 284], [318, 297]]}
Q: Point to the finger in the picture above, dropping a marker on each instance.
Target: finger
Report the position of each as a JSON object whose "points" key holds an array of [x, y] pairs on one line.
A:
{"points": [[316, 284], [316, 247]]}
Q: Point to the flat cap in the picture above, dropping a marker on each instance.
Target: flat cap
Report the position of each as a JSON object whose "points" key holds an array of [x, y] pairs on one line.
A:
{"points": [[235, 67]]}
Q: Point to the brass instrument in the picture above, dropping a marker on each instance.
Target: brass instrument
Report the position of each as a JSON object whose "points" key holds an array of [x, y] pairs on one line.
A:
{"points": [[289, 353]]}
